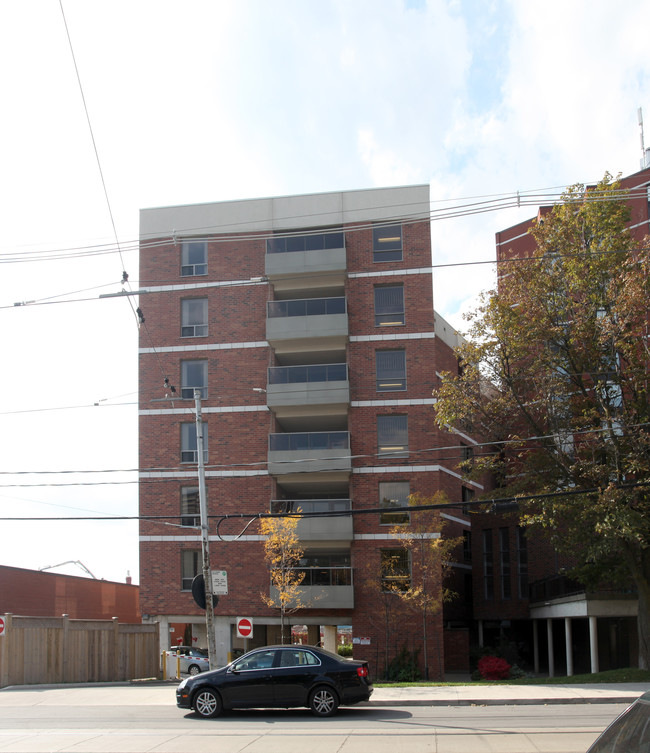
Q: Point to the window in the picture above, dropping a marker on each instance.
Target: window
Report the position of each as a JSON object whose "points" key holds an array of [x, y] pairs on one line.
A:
{"points": [[488, 565], [387, 243], [190, 509], [393, 494], [504, 556], [259, 660], [466, 452], [191, 566], [194, 317], [389, 305], [392, 435], [297, 658], [390, 366], [194, 258], [522, 563], [467, 546], [395, 570], [467, 495], [194, 374], [189, 449]]}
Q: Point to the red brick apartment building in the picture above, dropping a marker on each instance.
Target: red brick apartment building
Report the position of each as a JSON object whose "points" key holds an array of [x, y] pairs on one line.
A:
{"points": [[520, 594], [307, 322]]}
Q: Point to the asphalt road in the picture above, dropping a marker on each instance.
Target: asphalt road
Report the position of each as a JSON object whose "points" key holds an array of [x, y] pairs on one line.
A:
{"points": [[128, 719]]}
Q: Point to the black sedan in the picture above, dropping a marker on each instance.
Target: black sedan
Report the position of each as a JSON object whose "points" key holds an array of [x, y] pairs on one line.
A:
{"points": [[278, 677]]}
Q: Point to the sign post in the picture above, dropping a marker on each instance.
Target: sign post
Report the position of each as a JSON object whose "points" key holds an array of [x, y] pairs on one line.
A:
{"points": [[205, 536]]}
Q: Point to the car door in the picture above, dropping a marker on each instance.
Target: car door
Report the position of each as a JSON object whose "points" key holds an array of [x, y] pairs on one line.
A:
{"points": [[249, 681], [296, 673]]}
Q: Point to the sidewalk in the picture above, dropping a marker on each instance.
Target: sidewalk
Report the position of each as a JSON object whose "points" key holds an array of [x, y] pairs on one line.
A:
{"points": [[161, 692], [504, 695]]}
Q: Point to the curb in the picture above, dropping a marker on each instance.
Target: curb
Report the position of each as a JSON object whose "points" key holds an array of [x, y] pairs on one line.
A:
{"points": [[501, 701]]}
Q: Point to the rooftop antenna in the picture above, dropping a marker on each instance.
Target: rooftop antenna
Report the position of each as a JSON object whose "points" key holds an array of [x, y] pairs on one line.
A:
{"points": [[645, 153]]}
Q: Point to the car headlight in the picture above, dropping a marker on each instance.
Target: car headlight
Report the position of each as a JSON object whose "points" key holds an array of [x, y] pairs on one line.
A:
{"points": [[183, 683]]}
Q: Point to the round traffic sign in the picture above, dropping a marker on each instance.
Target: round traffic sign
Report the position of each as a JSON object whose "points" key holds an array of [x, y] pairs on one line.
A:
{"points": [[2, 625], [244, 627]]}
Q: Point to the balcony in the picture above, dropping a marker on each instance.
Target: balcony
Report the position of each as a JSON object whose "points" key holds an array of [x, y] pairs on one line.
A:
{"points": [[298, 386], [288, 259], [323, 597], [338, 527], [296, 324], [309, 452], [561, 587], [327, 583]]}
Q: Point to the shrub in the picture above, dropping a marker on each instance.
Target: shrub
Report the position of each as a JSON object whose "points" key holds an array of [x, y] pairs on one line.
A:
{"points": [[404, 667], [493, 668], [345, 649]]}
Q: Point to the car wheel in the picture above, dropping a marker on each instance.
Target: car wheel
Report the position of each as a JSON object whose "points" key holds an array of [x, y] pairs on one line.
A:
{"points": [[323, 702], [194, 669], [207, 703]]}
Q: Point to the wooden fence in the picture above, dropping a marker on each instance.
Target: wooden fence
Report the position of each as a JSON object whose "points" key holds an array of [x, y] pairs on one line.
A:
{"points": [[41, 650]]}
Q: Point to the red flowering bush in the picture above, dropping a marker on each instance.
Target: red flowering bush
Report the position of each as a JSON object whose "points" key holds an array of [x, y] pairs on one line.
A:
{"points": [[493, 668]]}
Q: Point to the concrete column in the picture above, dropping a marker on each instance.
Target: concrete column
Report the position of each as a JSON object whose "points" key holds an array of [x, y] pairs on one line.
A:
{"points": [[593, 643], [568, 646], [535, 647], [549, 638], [163, 632], [313, 635], [222, 634], [329, 638]]}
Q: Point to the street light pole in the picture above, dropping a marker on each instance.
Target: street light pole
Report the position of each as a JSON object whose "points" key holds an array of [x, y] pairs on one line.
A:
{"points": [[205, 535]]}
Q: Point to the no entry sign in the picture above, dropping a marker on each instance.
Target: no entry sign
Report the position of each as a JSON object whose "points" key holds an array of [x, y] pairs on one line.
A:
{"points": [[244, 627], [2, 625]]}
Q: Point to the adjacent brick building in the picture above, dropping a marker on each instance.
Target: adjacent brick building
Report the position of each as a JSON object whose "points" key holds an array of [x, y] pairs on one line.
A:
{"points": [[307, 323], [38, 594], [521, 596]]}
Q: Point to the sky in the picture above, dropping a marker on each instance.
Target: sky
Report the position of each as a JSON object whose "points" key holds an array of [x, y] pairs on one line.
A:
{"points": [[110, 106]]}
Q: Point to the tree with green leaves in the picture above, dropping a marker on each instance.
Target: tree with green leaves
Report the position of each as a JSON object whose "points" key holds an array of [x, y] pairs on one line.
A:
{"points": [[430, 555], [555, 366], [283, 553]]}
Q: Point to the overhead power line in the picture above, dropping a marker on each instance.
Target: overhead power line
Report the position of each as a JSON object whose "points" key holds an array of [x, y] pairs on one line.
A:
{"points": [[492, 504], [488, 203]]}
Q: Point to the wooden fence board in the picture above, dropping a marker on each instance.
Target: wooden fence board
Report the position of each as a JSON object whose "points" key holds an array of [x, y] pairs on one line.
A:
{"points": [[40, 650]]}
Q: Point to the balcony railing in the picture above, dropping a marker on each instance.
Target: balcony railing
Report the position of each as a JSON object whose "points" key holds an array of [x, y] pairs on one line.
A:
{"points": [[325, 506], [326, 576], [312, 440], [559, 586], [306, 307], [323, 519], [332, 372]]}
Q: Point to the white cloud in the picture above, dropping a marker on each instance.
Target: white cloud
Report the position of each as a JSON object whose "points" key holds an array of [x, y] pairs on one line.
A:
{"points": [[205, 101]]}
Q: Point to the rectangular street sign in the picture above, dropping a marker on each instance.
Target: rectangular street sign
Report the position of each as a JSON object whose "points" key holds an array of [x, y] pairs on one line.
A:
{"points": [[220, 582]]}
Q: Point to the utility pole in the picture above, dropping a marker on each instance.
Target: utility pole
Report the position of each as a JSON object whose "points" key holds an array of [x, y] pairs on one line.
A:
{"points": [[205, 535]]}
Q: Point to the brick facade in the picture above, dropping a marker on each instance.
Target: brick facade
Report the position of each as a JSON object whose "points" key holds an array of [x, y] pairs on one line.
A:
{"points": [[507, 616], [239, 423]]}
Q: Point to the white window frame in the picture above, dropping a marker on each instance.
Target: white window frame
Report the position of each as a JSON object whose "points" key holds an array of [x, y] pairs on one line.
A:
{"points": [[194, 320], [190, 268]]}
